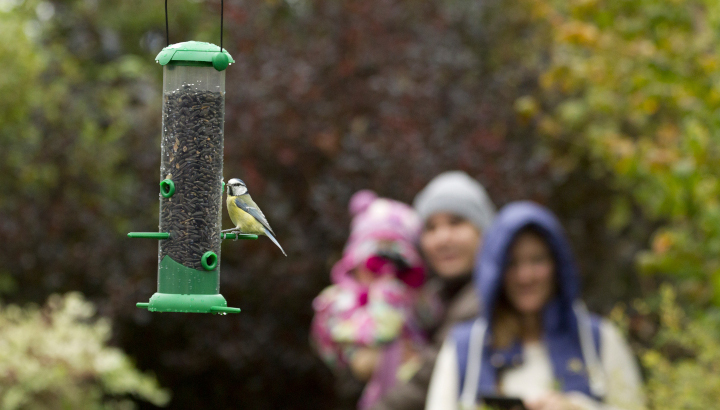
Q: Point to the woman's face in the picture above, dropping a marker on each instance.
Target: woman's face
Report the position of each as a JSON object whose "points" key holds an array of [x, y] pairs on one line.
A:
{"points": [[449, 243], [530, 277]]}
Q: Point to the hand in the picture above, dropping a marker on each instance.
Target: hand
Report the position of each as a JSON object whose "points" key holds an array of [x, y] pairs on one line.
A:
{"points": [[363, 363], [552, 401]]}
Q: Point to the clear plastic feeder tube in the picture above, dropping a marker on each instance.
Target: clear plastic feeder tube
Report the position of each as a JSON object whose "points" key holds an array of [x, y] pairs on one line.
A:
{"points": [[192, 158]]}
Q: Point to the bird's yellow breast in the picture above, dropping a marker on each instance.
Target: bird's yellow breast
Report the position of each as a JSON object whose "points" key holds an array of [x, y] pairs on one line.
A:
{"points": [[243, 220]]}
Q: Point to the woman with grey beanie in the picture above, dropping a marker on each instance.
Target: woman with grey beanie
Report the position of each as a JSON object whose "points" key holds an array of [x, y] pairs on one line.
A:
{"points": [[455, 210]]}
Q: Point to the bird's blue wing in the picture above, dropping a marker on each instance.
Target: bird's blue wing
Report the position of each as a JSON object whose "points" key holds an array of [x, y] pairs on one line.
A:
{"points": [[249, 206]]}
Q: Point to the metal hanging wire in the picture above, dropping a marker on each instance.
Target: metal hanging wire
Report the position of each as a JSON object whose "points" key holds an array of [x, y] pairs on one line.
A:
{"points": [[167, 27], [221, 24]]}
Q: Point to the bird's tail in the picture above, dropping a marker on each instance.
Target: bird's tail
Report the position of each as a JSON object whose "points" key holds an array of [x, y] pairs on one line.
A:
{"points": [[272, 238]]}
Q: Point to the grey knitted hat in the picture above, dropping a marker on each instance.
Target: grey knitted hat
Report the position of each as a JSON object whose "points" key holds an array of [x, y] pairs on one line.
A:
{"points": [[455, 192]]}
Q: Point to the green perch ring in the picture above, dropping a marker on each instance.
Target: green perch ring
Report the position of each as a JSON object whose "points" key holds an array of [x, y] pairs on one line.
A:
{"points": [[209, 260], [167, 188]]}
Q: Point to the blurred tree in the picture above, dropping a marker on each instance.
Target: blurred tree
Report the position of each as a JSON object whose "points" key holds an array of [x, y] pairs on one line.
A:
{"points": [[681, 354], [635, 86], [55, 357]]}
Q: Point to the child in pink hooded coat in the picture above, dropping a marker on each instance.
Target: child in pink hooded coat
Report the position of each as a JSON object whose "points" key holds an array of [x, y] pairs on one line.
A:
{"points": [[368, 318]]}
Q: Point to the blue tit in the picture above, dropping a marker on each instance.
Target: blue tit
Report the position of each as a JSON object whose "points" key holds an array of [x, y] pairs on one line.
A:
{"points": [[245, 214]]}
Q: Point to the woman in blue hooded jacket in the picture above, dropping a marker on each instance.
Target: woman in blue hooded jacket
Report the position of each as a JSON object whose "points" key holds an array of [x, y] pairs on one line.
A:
{"points": [[534, 339]]}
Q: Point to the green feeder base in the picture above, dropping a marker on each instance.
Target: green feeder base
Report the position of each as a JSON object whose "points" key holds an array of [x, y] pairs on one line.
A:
{"points": [[169, 302]]}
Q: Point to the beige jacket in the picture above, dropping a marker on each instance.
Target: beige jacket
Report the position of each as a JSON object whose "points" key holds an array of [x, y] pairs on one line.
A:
{"points": [[534, 377]]}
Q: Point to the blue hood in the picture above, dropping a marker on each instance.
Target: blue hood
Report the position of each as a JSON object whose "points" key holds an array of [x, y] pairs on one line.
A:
{"points": [[493, 258], [564, 326]]}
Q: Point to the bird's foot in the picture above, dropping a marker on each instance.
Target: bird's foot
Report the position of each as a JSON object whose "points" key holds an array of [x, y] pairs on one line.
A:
{"points": [[236, 231]]}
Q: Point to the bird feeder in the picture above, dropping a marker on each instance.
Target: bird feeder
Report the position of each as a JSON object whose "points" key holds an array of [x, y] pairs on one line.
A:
{"points": [[191, 181]]}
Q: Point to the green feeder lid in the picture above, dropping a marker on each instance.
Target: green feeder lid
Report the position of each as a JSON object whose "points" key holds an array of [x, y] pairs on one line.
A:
{"points": [[195, 53]]}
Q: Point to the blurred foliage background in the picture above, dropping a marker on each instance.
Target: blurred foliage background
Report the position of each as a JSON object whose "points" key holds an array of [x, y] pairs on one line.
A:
{"points": [[57, 358], [604, 110]]}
